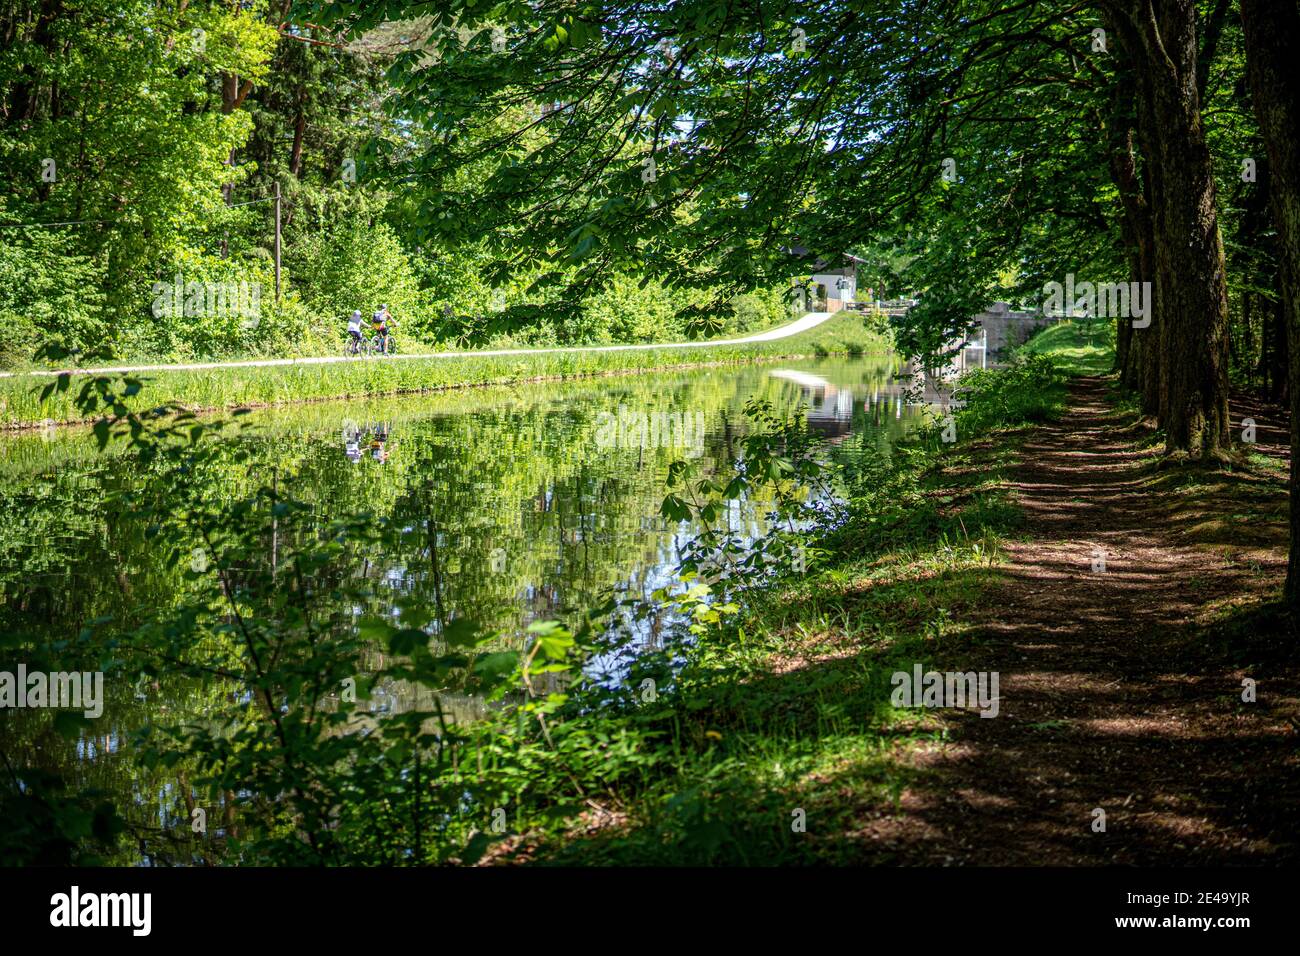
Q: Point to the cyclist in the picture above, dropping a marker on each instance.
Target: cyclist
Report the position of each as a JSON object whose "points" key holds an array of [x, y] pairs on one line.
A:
{"points": [[354, 332], [352, 443], [380, 322], [379, 442]]}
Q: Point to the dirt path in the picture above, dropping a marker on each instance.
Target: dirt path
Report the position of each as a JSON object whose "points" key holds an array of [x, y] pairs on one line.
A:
{"points": [[1114, 695], [809, 321]]}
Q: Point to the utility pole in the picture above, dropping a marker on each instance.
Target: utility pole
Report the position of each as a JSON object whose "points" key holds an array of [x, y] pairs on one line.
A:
{"points": [[275, 521], [277, 242]]}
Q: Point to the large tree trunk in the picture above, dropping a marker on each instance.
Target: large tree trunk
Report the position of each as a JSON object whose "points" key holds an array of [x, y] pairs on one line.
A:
{"points": [[1135, 228], [1135, 223], [1191, 288], [1272, 30], [1150, 374], [299, 132]]}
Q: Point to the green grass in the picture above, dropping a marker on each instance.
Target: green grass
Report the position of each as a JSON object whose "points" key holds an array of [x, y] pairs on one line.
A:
{"points": [[1078, 348], [793, 714], [211, 389], [797, 715], [788, 708]]}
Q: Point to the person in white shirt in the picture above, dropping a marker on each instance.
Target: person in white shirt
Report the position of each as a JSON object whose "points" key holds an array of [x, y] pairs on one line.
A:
{"points": [[354, 332]]}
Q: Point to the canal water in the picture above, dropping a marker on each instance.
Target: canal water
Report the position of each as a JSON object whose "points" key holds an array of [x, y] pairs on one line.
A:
{"points": [[543, 500]]}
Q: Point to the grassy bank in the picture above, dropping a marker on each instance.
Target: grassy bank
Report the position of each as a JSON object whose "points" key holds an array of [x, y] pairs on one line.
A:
{"points": [[779, 743], [21, 403], [1077, 348]]}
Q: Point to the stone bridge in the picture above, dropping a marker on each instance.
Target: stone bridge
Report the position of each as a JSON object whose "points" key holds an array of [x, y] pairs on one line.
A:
{"points": [[995, 329], [989, 334], [1000, 327]]}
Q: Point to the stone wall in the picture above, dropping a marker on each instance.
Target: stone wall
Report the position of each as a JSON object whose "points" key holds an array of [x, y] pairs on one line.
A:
{"points": [[1007, 328]]}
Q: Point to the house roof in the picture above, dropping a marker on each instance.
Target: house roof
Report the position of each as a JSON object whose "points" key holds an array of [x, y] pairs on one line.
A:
{"points": [[803, 252]]}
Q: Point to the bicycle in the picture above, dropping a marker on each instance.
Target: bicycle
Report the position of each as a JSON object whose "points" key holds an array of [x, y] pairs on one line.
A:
{"points": [[377, 346], [355, 347]]}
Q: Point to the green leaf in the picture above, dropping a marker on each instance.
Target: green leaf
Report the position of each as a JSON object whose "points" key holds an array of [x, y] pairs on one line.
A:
{"points": [[462, 632], [373, 629], [406, 640], [496, 665], [554, 639], [675, 509]]}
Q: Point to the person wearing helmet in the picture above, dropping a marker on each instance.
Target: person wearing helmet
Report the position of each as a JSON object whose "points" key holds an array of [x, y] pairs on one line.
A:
{"points": [[380, 322], [354, 332]]}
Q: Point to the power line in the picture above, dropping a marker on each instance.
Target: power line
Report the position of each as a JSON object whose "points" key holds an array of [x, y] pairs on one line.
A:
{"points": [[39, 225], [100, 222]]}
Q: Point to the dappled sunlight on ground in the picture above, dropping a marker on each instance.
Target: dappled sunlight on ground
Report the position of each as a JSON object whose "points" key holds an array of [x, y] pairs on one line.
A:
{"points": [[1112, 699]]}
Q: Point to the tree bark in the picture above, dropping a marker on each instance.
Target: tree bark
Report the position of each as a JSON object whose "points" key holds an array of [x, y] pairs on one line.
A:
{"points": [[1135, 228], [1190, 285], [1272, 30], [1135, 223], [1150, 374], [299, 131]]}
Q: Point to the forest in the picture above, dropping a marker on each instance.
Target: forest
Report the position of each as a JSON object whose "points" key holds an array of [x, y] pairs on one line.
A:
{"points": [[143, 147]]}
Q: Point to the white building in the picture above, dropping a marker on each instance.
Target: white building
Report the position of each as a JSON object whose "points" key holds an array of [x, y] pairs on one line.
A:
{"points": [[830, 289]]}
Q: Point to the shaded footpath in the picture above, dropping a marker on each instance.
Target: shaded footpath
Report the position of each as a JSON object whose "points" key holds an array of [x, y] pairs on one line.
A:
{"points": [[1121, 689]]}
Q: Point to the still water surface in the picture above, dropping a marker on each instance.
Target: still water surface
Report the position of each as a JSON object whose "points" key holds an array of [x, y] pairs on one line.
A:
{"points": [[543, 499]]}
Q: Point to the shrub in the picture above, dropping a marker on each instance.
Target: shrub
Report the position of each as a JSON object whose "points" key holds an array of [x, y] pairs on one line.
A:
{"points": [[758, 310], [356, 265], [45, 286], [1025, 391], [626, 312]]}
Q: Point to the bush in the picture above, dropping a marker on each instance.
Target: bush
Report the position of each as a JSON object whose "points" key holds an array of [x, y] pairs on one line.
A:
{"points": [[1027, 390], [625, 312], [223, 315], [753, 311], [876, 320], [44, 286], [356, 266]]}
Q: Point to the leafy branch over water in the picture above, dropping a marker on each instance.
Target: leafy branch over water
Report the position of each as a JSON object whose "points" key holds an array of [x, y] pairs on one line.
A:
{"points": [[295, 651]]}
